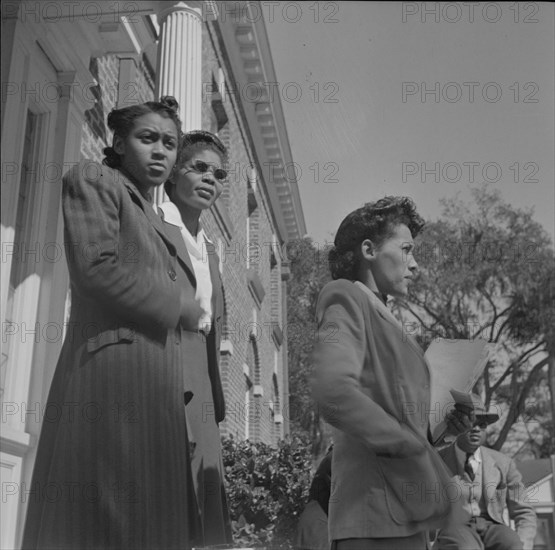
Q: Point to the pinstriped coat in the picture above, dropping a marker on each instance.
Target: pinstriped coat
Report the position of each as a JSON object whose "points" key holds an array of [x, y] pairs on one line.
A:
{"points": [[113, 467]]}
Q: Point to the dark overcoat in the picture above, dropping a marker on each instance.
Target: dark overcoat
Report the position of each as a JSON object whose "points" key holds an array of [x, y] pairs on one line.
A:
{"points": [[113, 463], [217, 302], [205, 403]]}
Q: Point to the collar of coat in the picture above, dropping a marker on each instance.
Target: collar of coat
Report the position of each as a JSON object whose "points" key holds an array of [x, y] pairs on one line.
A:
{"points": [[147, 208]]}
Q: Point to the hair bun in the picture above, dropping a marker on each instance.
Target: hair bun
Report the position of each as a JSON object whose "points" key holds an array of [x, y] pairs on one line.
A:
{"points": [[112, 119], [342, 264], [170, 102], [112, 159]]}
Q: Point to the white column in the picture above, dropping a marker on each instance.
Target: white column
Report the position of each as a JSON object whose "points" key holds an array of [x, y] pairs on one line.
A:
{"points": [[180, 57]]}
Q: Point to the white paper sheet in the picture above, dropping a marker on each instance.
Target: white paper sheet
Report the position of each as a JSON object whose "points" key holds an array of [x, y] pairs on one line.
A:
{"points": [[454, 364]]}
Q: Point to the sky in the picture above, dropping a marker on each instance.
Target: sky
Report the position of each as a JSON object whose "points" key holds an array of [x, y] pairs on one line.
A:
{"points": [[385, 98]]}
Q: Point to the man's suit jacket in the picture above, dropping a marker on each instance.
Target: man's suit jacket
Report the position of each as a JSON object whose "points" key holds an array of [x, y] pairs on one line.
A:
{"points": [[502, 488], [373, 385], [214, 338], [114, 435]]}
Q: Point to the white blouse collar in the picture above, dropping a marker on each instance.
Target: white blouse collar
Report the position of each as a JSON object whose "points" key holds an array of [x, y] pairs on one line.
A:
{"points": [[172, 215]]}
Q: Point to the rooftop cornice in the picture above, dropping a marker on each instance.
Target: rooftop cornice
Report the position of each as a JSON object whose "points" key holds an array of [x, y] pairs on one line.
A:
{"points": [[244, 35]]}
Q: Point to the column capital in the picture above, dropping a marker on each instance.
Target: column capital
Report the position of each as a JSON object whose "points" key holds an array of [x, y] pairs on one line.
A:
{"points": [[206, 10]]}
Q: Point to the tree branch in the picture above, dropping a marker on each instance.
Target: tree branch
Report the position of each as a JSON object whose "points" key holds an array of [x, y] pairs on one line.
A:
{"points": [[517, 405]]}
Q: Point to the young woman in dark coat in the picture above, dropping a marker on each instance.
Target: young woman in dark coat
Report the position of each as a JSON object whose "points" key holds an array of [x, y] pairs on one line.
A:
{"points": [[113, 464]]}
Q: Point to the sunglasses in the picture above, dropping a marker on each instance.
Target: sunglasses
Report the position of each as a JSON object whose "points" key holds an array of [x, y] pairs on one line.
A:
{"points": [[202, 167], [482, 424]]}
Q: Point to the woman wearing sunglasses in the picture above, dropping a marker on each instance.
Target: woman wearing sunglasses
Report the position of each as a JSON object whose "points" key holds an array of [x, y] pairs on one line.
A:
{"points": [[196, 183]]}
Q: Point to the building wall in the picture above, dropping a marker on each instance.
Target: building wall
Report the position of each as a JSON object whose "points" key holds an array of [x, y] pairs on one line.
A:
{"points": [[250, 367], [61, 85], [113, 90]]}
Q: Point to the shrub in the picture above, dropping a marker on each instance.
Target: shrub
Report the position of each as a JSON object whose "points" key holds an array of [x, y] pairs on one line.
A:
{"points": [[267, 489]]}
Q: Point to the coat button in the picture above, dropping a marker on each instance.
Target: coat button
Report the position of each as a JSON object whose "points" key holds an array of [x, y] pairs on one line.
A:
{"points": [[172, 274]]}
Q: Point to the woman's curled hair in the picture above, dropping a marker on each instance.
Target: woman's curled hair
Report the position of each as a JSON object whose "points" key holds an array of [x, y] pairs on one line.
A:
{"points": [[200, 140], [375, 221], [121, 122]]}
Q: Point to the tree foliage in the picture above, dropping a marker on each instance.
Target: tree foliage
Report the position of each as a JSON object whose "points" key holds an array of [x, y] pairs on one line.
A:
{"points": [[309, 273], [487, 270]]}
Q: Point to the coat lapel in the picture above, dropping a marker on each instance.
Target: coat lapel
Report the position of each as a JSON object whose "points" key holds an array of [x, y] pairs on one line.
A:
{"points": [[148, 210], [217, 298], [385, 314], [215, 335], [490, 471], [174, 233]]}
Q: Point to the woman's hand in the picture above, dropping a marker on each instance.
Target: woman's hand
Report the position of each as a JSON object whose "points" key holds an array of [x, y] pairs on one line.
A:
{"points": [[190, 311], [460, 419]]}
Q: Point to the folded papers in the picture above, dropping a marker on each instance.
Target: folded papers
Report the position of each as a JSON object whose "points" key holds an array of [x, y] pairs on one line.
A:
{"points": [[454, 365]]}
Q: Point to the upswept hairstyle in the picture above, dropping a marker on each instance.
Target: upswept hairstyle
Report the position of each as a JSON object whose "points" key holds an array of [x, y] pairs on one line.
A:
{"points": [[199, 140], [375, 221], [192, 142], [121, 122]]}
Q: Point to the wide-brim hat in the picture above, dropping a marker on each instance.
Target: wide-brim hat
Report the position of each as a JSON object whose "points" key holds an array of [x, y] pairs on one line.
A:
{"points": [[481, 412]]}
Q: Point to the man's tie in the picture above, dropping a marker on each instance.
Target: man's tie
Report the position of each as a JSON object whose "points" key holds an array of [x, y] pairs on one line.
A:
{"points": [[468, 467]]}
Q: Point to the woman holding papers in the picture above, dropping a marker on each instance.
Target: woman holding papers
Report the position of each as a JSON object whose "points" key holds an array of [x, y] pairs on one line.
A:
{"points": [[389, 485]]}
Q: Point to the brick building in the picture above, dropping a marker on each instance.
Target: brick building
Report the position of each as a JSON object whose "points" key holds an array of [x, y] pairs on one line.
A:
{"points": [[65, 65]]}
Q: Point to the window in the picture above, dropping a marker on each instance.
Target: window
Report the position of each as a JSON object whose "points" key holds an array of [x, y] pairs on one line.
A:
{"points": [[277, 418], [253, 393]]}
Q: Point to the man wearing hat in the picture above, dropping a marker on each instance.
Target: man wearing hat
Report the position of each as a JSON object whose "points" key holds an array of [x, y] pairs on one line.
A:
{"points": [[487, 482]]}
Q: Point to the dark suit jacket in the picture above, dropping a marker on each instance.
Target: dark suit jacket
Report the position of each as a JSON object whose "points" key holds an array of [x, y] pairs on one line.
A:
{"points": [[214, 338], [502, 489], [114, 437], [372, 383]]}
